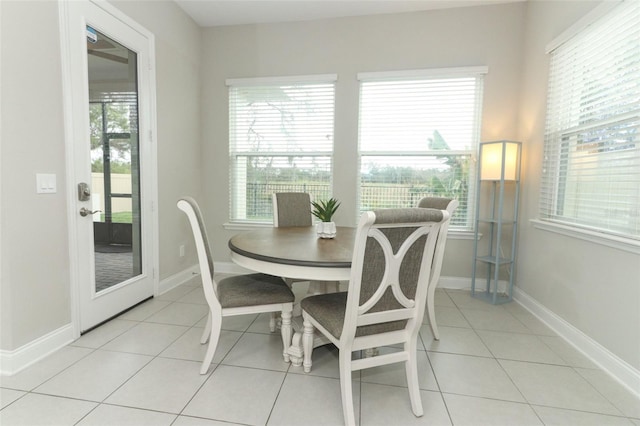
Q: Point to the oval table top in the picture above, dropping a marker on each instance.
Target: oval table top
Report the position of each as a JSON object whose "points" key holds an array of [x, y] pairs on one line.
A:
{"points": [[295, 252]]}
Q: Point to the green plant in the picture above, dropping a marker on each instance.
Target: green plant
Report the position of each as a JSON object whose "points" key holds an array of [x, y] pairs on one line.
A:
{"points": [[325, 209]]}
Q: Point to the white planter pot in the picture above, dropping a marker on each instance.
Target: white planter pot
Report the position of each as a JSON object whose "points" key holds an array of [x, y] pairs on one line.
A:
{"points": [[326, 229]]}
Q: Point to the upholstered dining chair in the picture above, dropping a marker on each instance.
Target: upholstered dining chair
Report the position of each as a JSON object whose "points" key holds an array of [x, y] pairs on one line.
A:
{"points": [[291, 209], [385, 303], [235, 295], [449, 205], [294, 209]]}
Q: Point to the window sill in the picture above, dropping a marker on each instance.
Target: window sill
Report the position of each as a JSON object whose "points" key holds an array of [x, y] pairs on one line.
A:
{"points": [[248, 226], [620, 243]]}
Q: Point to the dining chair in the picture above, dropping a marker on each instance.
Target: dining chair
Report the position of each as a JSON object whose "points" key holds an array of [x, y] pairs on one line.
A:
{"points": [[449, 205], [291, 209], [385, 302], [294, 209], [235, 295]]}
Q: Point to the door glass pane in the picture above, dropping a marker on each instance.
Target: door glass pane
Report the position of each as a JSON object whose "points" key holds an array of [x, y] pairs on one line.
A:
{"points": [[113, 113]]}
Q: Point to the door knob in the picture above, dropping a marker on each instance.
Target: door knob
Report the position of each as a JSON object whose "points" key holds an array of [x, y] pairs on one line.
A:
{"points": [[84, 212]]}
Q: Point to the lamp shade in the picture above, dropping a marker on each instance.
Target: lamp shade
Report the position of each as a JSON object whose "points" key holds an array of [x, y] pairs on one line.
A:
{"points": [[498, 156]]}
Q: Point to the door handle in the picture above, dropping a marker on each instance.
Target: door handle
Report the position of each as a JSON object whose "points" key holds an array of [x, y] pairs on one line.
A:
{"points": [[85, 212]]}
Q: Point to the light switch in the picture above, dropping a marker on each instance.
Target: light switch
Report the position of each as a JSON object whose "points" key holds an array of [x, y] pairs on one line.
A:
{"points": [[45, 183]]}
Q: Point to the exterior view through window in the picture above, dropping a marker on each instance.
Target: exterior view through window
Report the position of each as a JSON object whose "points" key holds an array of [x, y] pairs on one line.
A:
{"points": [[418, 135], [280, 140], [591, 168]]}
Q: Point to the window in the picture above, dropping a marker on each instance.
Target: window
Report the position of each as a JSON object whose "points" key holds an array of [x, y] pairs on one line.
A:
{"points": [[280, 140], [418, 135], [591, 167]]}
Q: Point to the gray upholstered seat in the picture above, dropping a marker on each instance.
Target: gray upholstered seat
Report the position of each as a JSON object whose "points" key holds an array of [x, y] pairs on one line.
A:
{"points": [[390, 275], [329, 310], [235, 295], [450, 205], [252, 290]]}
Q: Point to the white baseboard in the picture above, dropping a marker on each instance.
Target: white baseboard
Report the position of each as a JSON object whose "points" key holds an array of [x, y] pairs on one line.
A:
{"points": [[620, 370], [175, 280], [455, 283], [16, 360]]}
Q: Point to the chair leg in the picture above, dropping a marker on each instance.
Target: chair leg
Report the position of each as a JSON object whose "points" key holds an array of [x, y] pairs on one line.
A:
{"points": [[214, 336], [431, 295], [207, 330], [346, 388], [411, 368], [286, 331], [307, 343]]}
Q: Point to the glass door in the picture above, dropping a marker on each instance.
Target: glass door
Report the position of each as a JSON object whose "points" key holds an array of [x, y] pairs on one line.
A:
{"points": [[111, 102]]}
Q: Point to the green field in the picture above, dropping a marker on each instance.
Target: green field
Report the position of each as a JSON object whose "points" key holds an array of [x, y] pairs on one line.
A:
{"points": [[120, 217]]}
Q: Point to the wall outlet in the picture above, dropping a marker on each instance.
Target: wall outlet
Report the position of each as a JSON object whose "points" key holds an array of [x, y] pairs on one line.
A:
{"points": [[181, 250]]}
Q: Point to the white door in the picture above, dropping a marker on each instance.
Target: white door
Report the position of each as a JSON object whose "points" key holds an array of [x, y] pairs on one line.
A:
{"points": [[109, 116]]}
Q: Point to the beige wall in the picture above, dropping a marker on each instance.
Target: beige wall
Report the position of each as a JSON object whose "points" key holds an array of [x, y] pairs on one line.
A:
{"points": [[594, 288], [35, 260], [490, 36], [35, 287]]}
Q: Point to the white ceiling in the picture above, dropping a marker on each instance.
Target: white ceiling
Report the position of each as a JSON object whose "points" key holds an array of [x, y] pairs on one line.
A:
{"points": [[209, 13]]}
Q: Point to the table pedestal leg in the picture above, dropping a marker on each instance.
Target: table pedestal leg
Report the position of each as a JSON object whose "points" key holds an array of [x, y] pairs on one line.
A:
{"points": [[295, 351]]}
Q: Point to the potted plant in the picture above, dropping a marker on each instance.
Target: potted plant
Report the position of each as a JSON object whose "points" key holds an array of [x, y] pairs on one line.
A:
{"points": [[324, 210]]}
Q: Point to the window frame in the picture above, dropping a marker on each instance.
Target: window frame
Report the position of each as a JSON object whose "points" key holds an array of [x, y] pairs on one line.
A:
{"points": [[318, 79], [549, 218], [477, 72]]}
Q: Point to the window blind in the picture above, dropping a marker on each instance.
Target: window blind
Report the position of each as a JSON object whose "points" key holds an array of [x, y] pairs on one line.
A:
{"points": [[591, 165], [280, 140], [418, 135]]}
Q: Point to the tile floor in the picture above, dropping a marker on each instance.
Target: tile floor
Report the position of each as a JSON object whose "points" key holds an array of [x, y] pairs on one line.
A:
{"points": [[494, 365]]}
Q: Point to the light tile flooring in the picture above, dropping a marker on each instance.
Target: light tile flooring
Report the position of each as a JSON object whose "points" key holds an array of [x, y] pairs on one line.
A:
{"points": [[493, 365]]}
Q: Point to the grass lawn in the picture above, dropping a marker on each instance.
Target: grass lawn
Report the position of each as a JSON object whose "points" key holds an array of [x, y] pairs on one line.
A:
{"points": [[120, 217]]}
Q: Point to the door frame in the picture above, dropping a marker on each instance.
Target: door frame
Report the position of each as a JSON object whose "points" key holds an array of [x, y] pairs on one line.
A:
{"points": [[148, 165]]}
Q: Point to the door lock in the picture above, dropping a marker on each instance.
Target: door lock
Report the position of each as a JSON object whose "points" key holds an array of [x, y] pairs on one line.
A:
{"points": [[84, 192], [86, 212]]}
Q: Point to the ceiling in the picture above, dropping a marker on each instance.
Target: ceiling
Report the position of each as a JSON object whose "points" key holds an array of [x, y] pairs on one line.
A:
{"points": [[210, 13]]}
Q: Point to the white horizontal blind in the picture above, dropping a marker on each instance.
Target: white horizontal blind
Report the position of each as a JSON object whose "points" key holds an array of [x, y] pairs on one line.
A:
{"points": [[418, 137], [280, 140], [591, 168]]}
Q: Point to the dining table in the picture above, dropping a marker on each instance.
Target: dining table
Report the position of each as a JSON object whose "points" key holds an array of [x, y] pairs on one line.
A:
{"points": [[298, 253]]}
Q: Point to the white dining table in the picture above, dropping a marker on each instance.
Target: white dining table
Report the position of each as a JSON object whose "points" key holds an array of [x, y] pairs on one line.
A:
{"points": [[297, 252]]}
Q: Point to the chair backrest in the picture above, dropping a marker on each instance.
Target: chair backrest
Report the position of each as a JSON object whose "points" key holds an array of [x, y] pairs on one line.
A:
{"points": [[190, 207], [440, 203], [291, 209], [390, 274]]}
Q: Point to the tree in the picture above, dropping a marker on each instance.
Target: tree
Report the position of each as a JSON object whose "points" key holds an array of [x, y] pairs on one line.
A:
{"points": [[455, 183], [120, 118]]}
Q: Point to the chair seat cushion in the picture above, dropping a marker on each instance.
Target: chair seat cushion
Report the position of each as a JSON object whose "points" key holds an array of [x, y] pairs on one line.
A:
{"points": [[329, 310], [253, 290]]}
